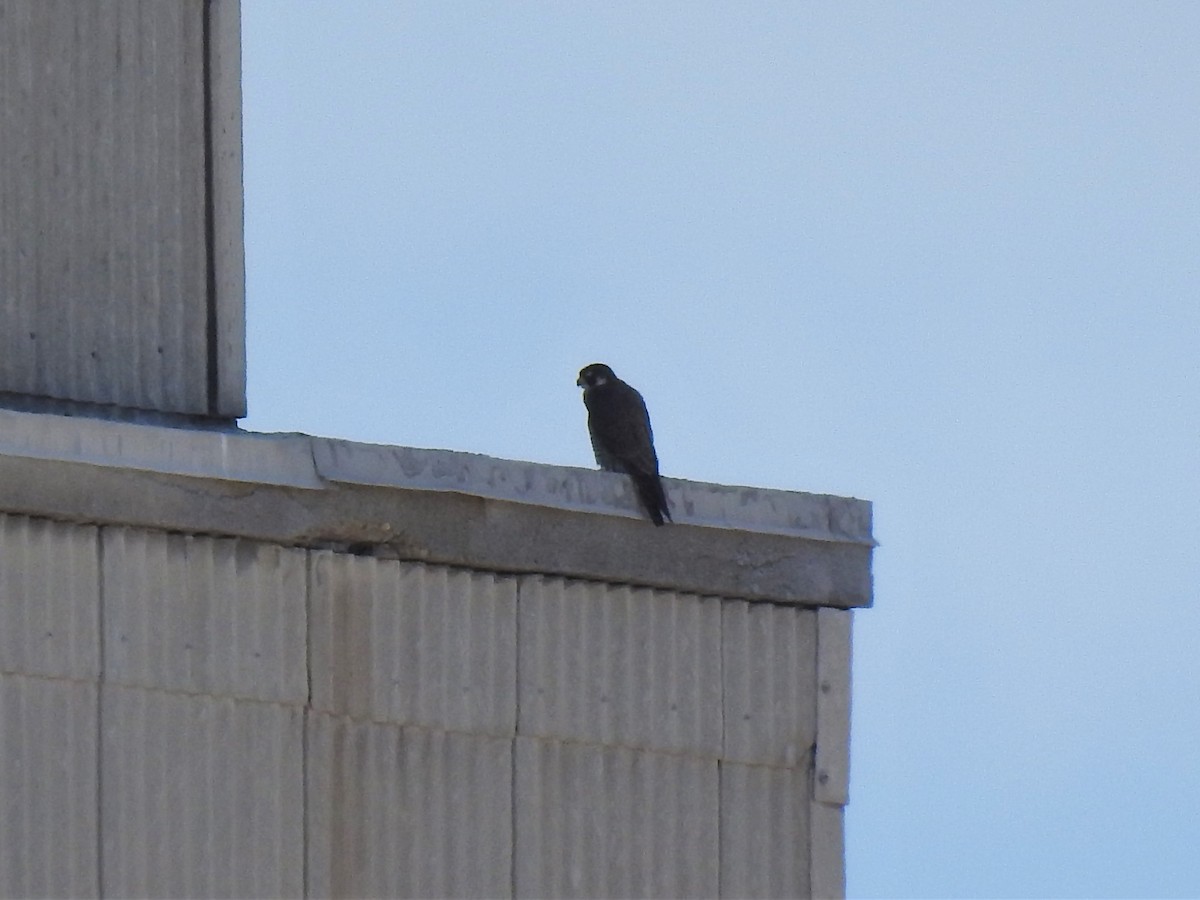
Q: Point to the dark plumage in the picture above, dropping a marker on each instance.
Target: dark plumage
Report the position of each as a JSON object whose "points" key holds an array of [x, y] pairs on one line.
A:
{"points": [[621, 435]]}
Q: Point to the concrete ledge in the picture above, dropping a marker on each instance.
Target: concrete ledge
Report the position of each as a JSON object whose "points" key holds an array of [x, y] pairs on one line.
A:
{"points": [[814, 516], [437, 506], [279, 459]]}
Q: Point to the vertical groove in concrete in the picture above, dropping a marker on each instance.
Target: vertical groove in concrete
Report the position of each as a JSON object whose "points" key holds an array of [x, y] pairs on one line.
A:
{"points": [[769, 675], [413, 644], [100, 717], [48, 830], [407, 812], [611, 664], [205, 796], [512, 784], [49, 606], [208, 615], [599, 821], [305, 749]]}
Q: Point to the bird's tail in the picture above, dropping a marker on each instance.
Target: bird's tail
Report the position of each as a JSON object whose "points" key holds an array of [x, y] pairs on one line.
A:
{"points": [[653, 498]]}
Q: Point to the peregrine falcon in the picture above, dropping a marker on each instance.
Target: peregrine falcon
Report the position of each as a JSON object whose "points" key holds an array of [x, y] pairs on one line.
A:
{"points": [[621, 437]]}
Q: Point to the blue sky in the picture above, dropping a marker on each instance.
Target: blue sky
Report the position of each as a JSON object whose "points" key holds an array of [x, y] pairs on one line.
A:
{"points": [[943, 256]]}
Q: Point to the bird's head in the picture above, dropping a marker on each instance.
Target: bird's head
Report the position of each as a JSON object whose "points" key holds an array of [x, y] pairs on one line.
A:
{"points": [[595, 375]]}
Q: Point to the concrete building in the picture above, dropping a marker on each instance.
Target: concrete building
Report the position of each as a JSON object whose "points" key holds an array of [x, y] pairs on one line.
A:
{"points": [[278, 665]]}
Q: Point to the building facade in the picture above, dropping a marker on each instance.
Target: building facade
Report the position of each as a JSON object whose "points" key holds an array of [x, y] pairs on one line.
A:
{"points": [[256, 665]]}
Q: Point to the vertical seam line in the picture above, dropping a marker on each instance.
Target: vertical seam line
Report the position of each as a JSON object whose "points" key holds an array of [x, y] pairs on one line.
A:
{"points": [[721, 755], [306, 714], [210, 267], [512, 786], [101, 666]]}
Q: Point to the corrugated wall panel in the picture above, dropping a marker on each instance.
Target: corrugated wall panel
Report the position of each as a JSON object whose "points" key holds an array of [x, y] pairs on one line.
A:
{"points": [[612, 822], [770, 672], [413, 644], [407, 812], [200, 797], [764, 831], [620, 665], [205, 615], [49, 598], [48, 804], [104, 242]]}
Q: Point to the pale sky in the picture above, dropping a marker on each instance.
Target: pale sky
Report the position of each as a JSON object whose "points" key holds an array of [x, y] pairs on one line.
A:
{"points": [[942, 256]]}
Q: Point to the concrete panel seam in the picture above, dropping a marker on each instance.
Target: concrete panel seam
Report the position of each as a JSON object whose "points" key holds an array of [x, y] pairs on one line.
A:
{"points": [[720, 830], [412, 726], [513, 772], [305, 749], [721, 761], [212, 695], [58, 679], [505, 736], [570, 742], [501, 735], [101, 669], [179, 692]]}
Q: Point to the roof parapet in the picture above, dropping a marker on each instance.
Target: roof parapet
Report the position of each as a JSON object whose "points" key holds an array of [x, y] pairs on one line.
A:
{"points": [[438, 505]]}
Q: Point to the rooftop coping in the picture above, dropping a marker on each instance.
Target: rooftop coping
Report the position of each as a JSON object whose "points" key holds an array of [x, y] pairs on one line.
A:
{"points": [[438, 506]]}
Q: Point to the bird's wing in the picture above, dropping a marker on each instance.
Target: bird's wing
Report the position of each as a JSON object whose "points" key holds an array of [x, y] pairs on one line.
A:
{"points": [[620, 428]]}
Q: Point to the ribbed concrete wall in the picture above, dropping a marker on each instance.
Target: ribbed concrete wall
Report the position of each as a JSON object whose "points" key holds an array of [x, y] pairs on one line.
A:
{"points": [[49, 598], [48, 787], [407, 812], [610, 821], [121, 272], [204, 615], [184, 715], [413, 644], [615, 665], [200, 796]]}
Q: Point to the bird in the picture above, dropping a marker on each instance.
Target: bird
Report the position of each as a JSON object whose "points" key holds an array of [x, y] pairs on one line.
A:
{"points": [[622, 440]]}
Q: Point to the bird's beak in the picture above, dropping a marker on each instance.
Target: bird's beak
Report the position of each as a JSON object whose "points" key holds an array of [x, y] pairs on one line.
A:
{"points": [[578, 382]]}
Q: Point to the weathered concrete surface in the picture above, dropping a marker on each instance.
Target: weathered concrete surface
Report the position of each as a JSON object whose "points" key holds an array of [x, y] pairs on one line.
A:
{"points": [[202, 714], [121, 272], [612, 664], [48, 782], [200, 795], [602, 821], [413, 644], [204, 615], [437, 506], [49, 598], [406, 812], [769, 668]]}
